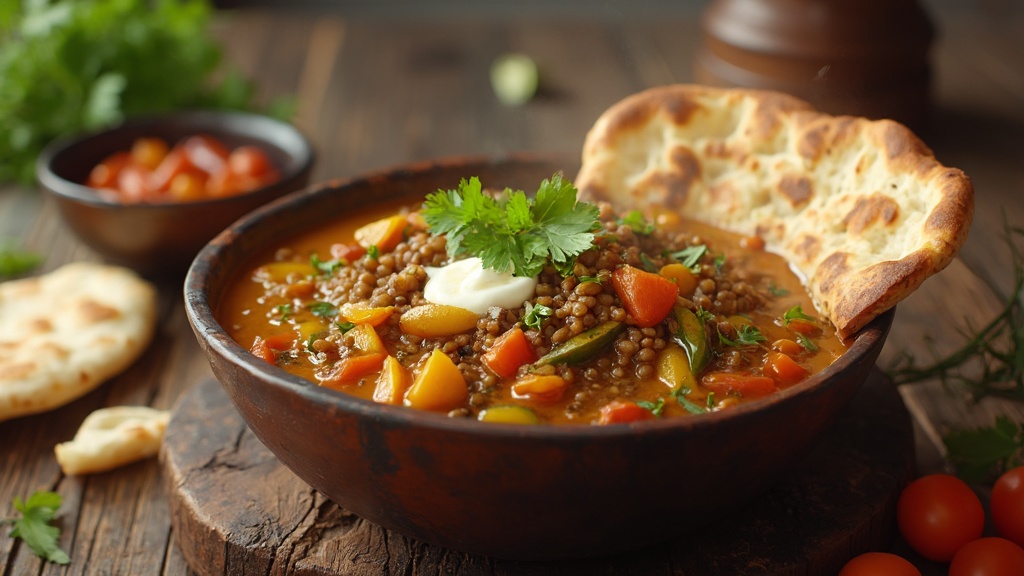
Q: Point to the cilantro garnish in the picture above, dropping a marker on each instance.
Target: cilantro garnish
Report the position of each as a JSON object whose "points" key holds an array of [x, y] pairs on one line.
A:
{"points": [[323, 309], [34, 525], [777, 290], [635, 220], [373, 252], [285, 310], [690, 256], [711, 400], [746, 335], [313, 338], [719, 263], [345, 326], [585, 279], [982, 452], [535, 314], [648, 264], [654, 407], [513, 230], [687, 404], [14, 262], [797, 313], [327, 267], [807, 343]]}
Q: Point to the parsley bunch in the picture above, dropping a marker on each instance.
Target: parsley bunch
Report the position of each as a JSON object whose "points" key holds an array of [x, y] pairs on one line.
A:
{"points": [[514, 231], [73, 65]]}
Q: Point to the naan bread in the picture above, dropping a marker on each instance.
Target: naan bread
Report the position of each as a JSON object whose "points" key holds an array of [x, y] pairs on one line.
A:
{"points": [[64, 333], [861, 209], [112, 437]]}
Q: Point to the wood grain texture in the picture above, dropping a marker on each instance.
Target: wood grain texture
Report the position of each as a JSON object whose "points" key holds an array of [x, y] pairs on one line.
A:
{"points": [[374, 92]]}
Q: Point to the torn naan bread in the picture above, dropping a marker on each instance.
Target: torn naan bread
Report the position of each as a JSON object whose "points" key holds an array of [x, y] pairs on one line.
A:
{"points": [[112, 437], [860, 208]]}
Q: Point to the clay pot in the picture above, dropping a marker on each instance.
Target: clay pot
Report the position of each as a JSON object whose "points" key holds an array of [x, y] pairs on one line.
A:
{"points": [[861, 57]]}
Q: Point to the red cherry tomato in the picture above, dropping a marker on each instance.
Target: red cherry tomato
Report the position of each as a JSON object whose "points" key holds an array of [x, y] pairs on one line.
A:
{"points": [[939, 513], [1007, 505], [988, 557], [249, 161], [879, 564]]}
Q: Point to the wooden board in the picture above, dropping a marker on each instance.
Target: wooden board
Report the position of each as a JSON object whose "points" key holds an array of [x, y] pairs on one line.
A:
{"points": [[235, 509]]}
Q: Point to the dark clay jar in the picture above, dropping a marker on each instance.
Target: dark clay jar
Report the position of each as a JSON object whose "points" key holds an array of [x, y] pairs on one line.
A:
{"points": [[861, 57]]}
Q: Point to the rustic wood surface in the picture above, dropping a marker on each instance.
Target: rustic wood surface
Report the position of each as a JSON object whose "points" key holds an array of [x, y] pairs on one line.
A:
{"points": [[236, 509], [378, 91]]}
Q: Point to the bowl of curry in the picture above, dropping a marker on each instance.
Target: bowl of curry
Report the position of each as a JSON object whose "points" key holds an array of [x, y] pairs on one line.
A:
{"points": [[517, 374]]}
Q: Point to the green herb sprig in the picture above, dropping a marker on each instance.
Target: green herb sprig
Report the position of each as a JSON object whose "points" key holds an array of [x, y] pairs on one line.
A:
{"points": [[996, 349], [80, 65], [514, 230], [15, 262], [33, 526], [981, 453]]}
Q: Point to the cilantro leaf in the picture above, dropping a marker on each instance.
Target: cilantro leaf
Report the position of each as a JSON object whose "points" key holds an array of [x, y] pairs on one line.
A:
{"points": [[34, 525], [635, 220], [327, 267], [979, 453], [653, 407], [535, 315], [513, 231], [323, 309], [746, 335], [690, 256], [797, 313]]}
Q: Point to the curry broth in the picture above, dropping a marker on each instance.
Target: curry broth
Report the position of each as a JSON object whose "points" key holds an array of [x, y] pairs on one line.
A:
{"points": [[251, 310]]}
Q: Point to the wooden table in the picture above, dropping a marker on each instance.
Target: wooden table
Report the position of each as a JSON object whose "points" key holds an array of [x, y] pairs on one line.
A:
{"points": [[374, 92]]}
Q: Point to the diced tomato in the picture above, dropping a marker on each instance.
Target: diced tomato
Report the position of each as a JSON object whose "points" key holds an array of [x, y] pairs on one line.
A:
{"points": [[509, 351], [647, 297], [347, 252], [620, 412], [745, 385]]}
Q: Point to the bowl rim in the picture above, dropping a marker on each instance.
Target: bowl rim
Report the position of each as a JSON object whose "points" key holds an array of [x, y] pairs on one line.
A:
{"points": [[298, 148], [211, 333]]}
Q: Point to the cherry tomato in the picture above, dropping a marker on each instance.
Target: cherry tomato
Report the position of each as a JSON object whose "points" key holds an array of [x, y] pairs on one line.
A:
{"points": [[104, 174], [879, 564], [988, 557], [249, 161], [148, 152], [939, 513], [1007, 505]]}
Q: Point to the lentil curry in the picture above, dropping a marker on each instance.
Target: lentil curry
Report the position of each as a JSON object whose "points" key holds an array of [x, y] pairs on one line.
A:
{"points": [[653, 316]]}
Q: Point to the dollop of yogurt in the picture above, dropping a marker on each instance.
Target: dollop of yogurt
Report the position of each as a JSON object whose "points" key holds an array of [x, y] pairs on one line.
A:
{"points": [[467, 284]]}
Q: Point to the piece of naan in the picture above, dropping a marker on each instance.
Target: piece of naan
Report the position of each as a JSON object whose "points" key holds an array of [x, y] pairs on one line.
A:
{"points": [[860, 208], [65, 332], [112, 437]]}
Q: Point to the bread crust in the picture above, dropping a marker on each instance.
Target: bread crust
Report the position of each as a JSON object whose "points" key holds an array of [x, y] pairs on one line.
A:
{"points": [[861, 208]]}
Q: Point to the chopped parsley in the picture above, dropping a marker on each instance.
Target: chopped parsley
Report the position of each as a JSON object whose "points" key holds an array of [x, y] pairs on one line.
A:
{"points": [[720, 261], [373, 252], [585, 279], [635, 220], [746, 335], [797, 313], [285, 310], [775, 290], [648, 264], [687, 404], [535, 315], [690, 256], [807, 343], [345, 326], [513, 230], [327, 267], [653, 407], [323, 309]]}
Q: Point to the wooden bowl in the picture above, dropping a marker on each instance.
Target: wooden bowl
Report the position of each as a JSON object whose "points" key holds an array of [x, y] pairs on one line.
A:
{"points": [[160, 240], [515, 492]]}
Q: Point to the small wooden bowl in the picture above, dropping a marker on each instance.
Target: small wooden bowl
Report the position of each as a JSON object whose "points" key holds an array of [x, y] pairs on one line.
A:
{"points": [[160, 240], [510, 491]]}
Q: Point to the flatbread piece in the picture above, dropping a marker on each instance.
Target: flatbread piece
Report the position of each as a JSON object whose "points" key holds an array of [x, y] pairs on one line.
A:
{"points": [[64, 333], [860, 208], [112, 437]]}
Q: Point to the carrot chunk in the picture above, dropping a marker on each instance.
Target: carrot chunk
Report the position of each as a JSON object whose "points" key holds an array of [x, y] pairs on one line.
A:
{"points": [[619, 412], [745, 385], [439, 385], [647, 297], [509, 351], [783, 368]]}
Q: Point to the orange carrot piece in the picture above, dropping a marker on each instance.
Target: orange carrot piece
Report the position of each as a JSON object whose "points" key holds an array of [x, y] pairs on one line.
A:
{"points": [[745, 385], [260, 349], [439, 386], [783, 368], [619, 412], [647, 297], [349, 370], [363, 314], [509, 351], [385, 233]]}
